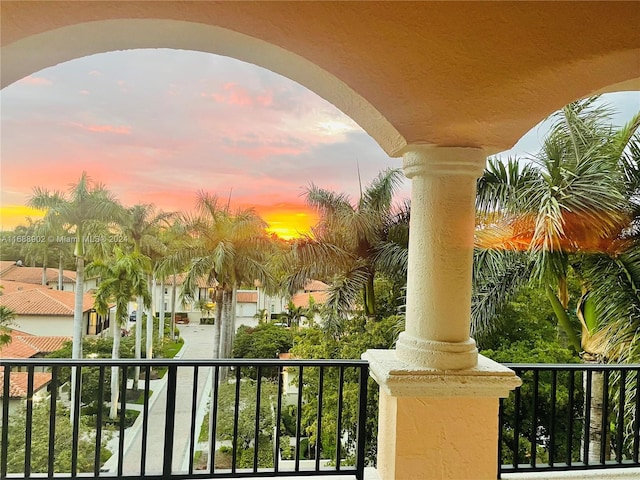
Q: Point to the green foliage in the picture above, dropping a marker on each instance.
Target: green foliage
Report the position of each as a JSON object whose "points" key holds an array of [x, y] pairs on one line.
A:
{"points": [[358, 336], [526, 332], [247, 419], [267, 340], [62, 442]]}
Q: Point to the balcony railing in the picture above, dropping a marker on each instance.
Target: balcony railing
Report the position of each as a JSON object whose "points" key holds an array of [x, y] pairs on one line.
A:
{"points": [[190, 419], [571, 417]]}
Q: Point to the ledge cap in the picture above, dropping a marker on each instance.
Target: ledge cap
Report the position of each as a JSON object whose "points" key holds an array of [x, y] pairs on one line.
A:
{"points": [[400, 379]]}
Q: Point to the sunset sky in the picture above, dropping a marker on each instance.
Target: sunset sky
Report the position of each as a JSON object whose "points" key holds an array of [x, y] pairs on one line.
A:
{"points": [[156, 126]]}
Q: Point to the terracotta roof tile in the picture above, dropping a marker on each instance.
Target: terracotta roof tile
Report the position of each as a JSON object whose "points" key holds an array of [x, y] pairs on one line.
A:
{"points": [[44, 302], [18, 383], [25, 345], [34, 274], [247, 297], [9, 286], [302, 299], [315, 286]]}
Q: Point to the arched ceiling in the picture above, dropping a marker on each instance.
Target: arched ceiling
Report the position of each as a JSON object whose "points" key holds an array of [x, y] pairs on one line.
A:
{"points": [[474, 74]]}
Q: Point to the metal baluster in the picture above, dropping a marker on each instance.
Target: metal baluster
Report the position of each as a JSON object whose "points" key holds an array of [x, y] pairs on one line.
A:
{"points": [[362, 421], [552, 420], [339, 419], [192, 431], [236, 413], [570, 419], [276, 463], [169, 424], [620, 426], [319, 417], [96, 459], [28, 422], [256, 431], [52, 421], [298, 419]]}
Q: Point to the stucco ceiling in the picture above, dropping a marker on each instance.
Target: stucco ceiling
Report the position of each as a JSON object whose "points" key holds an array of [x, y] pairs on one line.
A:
{"points": [[448, 73]]}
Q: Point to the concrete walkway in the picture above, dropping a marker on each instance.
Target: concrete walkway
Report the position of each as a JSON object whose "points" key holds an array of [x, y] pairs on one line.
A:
{"points": [[198, 344]]}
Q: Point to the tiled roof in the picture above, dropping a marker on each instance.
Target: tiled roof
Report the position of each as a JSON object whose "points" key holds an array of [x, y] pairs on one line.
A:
{"points": [[18, 383], [315, 286], [9, 286], [6, 265], [44, 302], [33, 274], [302, 299], [25, 345], [247, 297]]}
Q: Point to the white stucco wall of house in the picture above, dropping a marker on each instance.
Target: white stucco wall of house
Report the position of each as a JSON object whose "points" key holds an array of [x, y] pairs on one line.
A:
{"points": [[44, 325]]}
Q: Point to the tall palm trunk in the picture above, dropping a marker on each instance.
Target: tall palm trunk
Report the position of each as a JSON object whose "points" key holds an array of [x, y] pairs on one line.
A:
{"points": [[225, 326], [227, 303], [60, 277], [217, 327], [232, 330], [150, 317], [44, 268], [161, 314], [76, 349], [115, 354], [173, 307], [138, 349]]}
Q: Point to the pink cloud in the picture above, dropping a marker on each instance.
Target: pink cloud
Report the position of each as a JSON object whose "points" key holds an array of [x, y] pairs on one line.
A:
{"points": [[117, 129], [31, 80], [234, 94]]}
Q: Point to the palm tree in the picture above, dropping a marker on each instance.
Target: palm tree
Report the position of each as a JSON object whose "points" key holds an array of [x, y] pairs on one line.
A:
{"points": [[345, 245], [122, 278], [228, 248], [82, 211], [571, 211], [141, 224]]}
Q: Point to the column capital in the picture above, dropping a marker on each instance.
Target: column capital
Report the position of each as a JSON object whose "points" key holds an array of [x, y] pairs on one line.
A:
{"points": [[424, 159]]}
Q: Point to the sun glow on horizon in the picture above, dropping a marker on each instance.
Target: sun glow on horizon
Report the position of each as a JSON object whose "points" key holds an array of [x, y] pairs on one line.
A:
{"points": [[288, 221], [12, 216]]}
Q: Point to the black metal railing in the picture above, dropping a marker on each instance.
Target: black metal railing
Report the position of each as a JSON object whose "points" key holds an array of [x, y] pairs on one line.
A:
{"points": [[191, 419], [571, 417]]}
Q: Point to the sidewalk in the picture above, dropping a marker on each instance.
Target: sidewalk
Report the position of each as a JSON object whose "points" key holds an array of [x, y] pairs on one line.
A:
{"points": [[198, 344]]}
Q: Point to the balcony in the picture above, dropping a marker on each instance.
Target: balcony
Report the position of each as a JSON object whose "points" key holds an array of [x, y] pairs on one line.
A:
{"points": [[263, 417]]}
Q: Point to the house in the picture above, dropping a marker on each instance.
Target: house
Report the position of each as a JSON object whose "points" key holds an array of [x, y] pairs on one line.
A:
{"points": [[18, 272], [25, 345], [43, 311]]}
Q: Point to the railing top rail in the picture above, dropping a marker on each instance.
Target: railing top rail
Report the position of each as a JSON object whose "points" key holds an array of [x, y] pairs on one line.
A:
{"points": [[160, 362], [572, 366]]}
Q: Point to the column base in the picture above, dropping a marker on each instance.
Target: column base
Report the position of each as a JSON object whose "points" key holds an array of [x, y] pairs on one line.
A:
{"points": [[438, 355], [438, 424]]}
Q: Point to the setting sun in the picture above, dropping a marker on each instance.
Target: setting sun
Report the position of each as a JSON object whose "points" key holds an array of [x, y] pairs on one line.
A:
{"points": [[13, 215], [288, 221]]}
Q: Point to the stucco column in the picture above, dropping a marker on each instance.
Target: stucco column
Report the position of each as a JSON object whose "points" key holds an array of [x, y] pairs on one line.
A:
{"points": [[443, 188], [438, 416]]}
